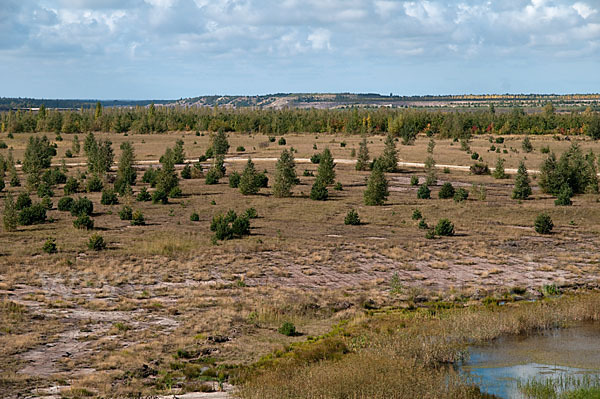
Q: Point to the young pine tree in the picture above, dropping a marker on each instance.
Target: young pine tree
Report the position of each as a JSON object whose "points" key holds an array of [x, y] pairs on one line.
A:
{"points": [[325, 171], [219, 144], [499, 170], [285, 175], [126, 174], [10, 217], [362, 162], [522, 188], [249, 180], [377, 187], [389, 158], [167, 179]]}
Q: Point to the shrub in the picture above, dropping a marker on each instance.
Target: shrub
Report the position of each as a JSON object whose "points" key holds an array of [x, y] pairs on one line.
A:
{"points": [[194, 217], [414, 180], [545, 150], [251, 213], [564, 197], [475, 156], [499, 140], [71, 186], [447, 191], [23, 201], [186, 172], [150, 176], [240, 149], [262, 180], [44, 190], [240, 226], [479, 191], [338, 187], [573, 168], [65, 204], [480, 169], [234, 180], [212, 176], [444, 228], [47, 203], [3, 145], [175, 192], [543, 224], [287, 329], [424, 192], [352, 218], [50, 246], [461, 195], [229, 226], [34, 214], [143, 195], [307, 173], [416, 215], [250, 183], [83, 222], [94, 184], [68, 154], [137, 219], [160, 196], [271, 139], [96, 243], [82, 206], [319, 192], [282, 141], [526, 145], [109, 197], [126, 213], [430, 235], [422, 224], [316, 158]]}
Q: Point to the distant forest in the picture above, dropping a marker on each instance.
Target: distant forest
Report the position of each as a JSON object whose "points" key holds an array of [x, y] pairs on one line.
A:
{"points": [[7, 104], [405, 123]]}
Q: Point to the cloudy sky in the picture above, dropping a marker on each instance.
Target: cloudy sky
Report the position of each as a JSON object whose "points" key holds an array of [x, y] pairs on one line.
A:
{"points": [[140, 49]]}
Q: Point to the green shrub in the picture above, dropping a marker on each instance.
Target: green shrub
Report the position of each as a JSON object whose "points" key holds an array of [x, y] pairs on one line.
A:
{"points": [[338, 187], [186, 172], [83, 222], [50, 246], [126, 213], [234, 179], [444, 228], [287, 329], [143, 195], [319, 192], [564, 197], [545, 150], [307, 173], [23, 201], [150, 176], [543, 223], [422, 224], [416, 215], [96, 242], [44, 190], [82, 206], [240, 149], [240, 226], [262, 181], [69, 154], [447, 191], [175, 192], [194, 217], [94, 184], [461, 195], [251, 213], [316, 158], [65, 204], [160, 196], [352, 218], [137, 219], [271, 139], [47, 203], [3, 145], [424, 192], [71, 186], [414, 180], [526, 145], [430, 235], [475, 156], [282, 141], [212, 176], [34, 214], [499, 140], [480, 169], [228, 226], [109, 197]]}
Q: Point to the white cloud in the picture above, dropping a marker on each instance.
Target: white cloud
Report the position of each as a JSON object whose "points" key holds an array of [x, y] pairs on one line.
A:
{"points": [[320, 39], [584, 10]]}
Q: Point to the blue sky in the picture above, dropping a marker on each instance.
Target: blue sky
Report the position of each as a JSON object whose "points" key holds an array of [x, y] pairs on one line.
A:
{"points": [[141, 49]]}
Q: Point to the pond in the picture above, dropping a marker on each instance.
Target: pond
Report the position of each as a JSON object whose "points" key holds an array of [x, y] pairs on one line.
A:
{"points": [[498, 366]]}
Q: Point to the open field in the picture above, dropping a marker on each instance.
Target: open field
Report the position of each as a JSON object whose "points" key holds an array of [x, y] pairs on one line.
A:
{"points": [[163, 308]]}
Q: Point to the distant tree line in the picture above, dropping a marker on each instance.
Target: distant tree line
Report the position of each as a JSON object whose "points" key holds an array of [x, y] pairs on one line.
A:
{"points": [[405, 123]]}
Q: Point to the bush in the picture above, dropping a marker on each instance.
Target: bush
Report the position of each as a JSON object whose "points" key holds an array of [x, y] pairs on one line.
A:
{"points": [[262, 181], [417, 215], [109, 197], [3, 145], [543, 224], [240, 149], [447, 191], [94, 184], [83, 222], [96, 243], [234, 180], [126, 213], [194, 217], [461, 195], [240, 226], [82, 206], [475, 156], [564, 197], [229, 226], [422, 224], [251, 213], [23, 201], [499, 140], [444, 228], [143, 195], [34, 214], [287, 329], [307, 173], [71, 186], [150, 176], [282, 141], [212, 176], [271, 139], [69, 154], [47, 203], [44, 190], [352, 218], [175, 192], [480, 169], [424, 192], [186, 172], [526, 145], [319, 192], [65, 204], [316, 158], [50, 246], [137, 219], [430, 235], [545, 150], [338, 187], [414, 180], [160, 196]]}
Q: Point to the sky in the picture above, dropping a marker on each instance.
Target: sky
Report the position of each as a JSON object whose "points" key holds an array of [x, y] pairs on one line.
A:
{"points": [[170, 49]]}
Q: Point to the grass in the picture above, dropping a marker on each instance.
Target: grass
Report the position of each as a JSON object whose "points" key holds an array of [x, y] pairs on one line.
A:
{"points": [[563, 387]]}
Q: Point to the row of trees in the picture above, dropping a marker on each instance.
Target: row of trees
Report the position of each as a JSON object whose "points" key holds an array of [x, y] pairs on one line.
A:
{"points": [[403, 123]]}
